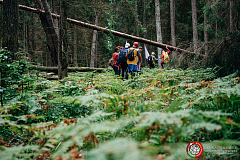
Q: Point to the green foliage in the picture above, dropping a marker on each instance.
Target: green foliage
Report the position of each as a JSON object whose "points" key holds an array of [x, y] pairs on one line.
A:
{"points": [[99, 116], [11, 74]]}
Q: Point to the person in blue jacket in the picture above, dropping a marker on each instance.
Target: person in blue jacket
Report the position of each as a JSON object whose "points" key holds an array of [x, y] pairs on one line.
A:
{"points": [[122, 61]]}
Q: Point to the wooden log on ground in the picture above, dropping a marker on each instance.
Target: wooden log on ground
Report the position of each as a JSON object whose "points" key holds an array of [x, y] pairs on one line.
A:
{"points": [[116, 33], [70, 69]]}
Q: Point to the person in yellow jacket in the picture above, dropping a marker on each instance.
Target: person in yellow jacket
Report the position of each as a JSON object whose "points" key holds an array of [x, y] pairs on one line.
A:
{"points": [[132, 56], [151, 60]]}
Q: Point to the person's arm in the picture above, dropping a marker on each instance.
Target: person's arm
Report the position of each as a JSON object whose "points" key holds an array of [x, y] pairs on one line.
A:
{"points": [[155, 58], [168, 50], [139, 55], [161, 56]]}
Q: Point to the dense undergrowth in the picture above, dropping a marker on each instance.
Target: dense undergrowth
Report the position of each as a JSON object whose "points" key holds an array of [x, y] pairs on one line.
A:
{"points": [[98, 116]]}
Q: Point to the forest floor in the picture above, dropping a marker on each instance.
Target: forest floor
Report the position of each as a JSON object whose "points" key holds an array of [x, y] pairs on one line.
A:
{"points": [[154, 115]]}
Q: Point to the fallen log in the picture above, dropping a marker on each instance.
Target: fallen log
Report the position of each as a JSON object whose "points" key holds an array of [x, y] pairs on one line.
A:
{"points": [[116, 33], [70, 69]]}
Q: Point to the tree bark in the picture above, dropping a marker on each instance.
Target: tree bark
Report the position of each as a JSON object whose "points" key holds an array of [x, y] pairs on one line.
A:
{"points": [[55, 4], [158, 28], [62, 56], [32, 37], [52, 31], [145, 27], [93, 49], [75, 57], [24, 32], [205, 31], [49, 29], [136, 17], [231, 16], [1, 25], [195, 28], [10, 25], [172, 17]]}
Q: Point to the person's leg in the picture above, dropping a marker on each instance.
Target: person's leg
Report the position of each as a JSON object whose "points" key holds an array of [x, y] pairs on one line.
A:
{"points": [[121, 71], [126, 74], [130, 69], [116, 70], [135, 69], [162, 64], [151, 66], [124, 71]]}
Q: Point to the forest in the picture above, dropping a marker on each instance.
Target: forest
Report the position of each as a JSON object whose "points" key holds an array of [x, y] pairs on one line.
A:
{"points": [[61, 100]]}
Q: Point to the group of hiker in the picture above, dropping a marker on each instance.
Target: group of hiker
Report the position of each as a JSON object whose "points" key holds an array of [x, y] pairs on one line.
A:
{"points": [[152, 59], [127, 60]]}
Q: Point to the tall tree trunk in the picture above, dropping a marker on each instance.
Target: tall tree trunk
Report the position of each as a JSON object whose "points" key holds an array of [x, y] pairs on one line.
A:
{"points": [[49, 29], [32, 38], [172, 17], [28, 37], [53, 31], [158, 28], [231, 16], [145, 27], [75, 57], [93, 49], [205, 30], [194, 23], [62, 62], [136, 17], [55, 4], [10, 25], [24, 31], [1, 25]]}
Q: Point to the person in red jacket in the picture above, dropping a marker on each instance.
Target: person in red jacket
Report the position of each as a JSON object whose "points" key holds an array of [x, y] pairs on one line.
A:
{"points": [[115, 57], [163, 56]]}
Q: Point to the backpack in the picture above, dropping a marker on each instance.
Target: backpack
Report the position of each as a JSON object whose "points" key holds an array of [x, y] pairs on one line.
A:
{"points": [[111, 62], [122, 58], [166, 58], [150, 60], [131, 55]]}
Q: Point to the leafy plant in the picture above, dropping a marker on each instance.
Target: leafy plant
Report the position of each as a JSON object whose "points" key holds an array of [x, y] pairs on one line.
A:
{"points": [[89, 115]]}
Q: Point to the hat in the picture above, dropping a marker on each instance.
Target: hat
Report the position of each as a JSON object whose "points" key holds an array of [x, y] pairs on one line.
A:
{"points": [[127, 45], [153, 53], [118, 47], [135, 44]]}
